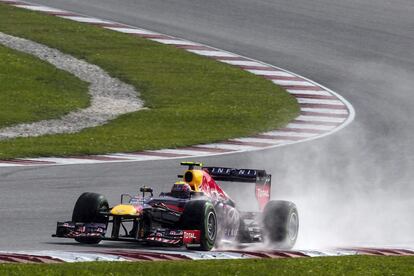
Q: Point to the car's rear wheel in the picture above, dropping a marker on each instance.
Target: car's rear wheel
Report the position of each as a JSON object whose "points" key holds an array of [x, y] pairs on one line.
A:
{"points": [[88, 209], [200, 215], [281, 223]]}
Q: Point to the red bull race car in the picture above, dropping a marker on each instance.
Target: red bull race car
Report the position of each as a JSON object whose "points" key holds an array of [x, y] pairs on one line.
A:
{"points": [[196, 213]]}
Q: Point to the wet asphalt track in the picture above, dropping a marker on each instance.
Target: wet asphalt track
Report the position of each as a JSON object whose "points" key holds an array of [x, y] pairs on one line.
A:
{"points": [[352, 187]]}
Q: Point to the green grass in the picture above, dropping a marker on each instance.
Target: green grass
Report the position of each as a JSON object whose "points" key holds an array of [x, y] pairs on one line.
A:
{"points": [[32, 90], [351, 265], [191, 99]]}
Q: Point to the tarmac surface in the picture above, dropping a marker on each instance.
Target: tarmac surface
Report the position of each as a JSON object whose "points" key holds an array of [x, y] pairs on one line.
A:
{"points": [[351, 188]]}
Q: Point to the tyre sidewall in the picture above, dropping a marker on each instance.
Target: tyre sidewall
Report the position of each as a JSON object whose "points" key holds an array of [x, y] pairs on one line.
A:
{"points": [[207, 241], [195, 217]]}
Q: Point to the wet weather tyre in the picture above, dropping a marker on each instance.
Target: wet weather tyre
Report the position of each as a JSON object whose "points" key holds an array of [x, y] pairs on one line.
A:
{"points": [[281, 224], [200, 215], [88, 209]]}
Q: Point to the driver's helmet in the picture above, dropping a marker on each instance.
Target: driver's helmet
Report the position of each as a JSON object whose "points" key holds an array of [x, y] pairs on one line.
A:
{"points": [[181, 189]]}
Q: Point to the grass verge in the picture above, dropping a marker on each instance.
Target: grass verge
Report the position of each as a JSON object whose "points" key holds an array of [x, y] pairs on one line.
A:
{"points": [[350, 265], [32, 90], [191, 99]]}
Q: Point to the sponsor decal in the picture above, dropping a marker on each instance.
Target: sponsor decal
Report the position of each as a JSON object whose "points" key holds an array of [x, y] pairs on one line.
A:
{"points": [[262, 194], [233, 172], [243, 172], [176, 233], [225, 171], [191, 236]]}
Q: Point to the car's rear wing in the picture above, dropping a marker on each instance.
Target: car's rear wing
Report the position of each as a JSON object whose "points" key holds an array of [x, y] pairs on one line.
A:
{"points": [[262, 180]]}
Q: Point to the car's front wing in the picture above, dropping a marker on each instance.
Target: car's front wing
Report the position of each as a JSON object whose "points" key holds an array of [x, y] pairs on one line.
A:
{"points": [[175, 237]]}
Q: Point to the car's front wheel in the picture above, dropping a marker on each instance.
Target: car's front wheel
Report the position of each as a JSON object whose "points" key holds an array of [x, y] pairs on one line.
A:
{"points": [[88, 209], [200, 215]]}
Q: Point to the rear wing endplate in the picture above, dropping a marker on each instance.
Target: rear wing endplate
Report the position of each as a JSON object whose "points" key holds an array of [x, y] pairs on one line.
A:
{"points": [[262, 180]]}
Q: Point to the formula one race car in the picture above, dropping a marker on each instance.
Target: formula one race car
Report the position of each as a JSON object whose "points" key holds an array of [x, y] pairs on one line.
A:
{"points": [[196, 213]]}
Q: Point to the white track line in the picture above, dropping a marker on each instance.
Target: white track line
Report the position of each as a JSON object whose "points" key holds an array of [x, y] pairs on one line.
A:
{"points": [[288, 133], [309, 92], [40, 8], [259, 140], [175, 42], [309, 126], [68, 160], [229, 147], [82, 19], [320, 119], [74, 257], [212, 53], [244, 63], [131, 31], [183, 151], [292, 82], [10, 165], [319, 101], [325, 110], [136, 157], [271, 73]]}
